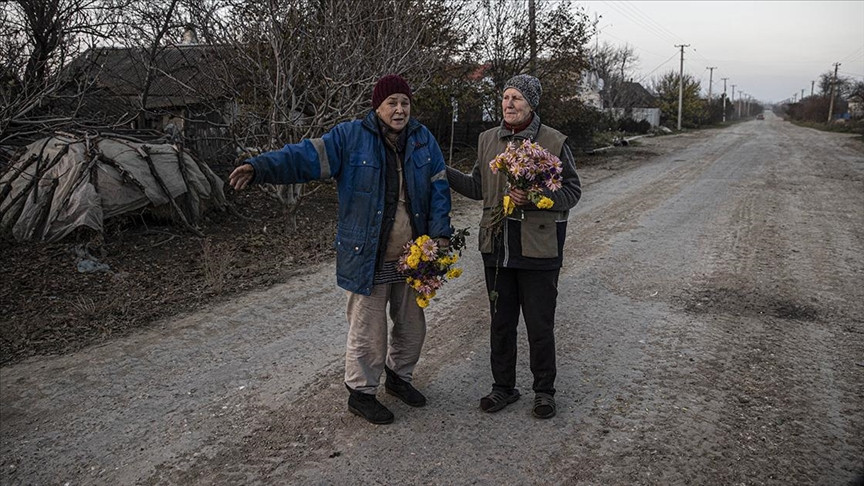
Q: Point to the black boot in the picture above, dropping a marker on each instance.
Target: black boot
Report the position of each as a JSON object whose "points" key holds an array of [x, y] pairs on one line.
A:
{"points": [[368, 407], [403, 390]]}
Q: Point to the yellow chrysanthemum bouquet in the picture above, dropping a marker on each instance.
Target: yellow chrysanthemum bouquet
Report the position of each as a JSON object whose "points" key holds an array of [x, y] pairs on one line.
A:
{"points": [[531, 168], [427, 266]]}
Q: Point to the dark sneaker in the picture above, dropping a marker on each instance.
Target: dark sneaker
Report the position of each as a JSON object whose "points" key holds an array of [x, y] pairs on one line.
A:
{"points": [[544, 406], [498, 399], [368, 407], [402, 389]]}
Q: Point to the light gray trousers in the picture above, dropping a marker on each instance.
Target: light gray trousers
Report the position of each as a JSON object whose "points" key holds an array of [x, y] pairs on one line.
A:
{"points": [[368, 350]]}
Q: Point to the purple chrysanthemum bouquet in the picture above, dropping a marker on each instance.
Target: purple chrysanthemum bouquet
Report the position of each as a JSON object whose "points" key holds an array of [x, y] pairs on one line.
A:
{"points": [[529, 167]]}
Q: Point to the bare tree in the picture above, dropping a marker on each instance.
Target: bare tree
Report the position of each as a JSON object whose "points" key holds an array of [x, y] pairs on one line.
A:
{"points": [[857, 90], [147, 25], [843, 87], [562, 34], [39, 38], [296, 68], [615, 65]]}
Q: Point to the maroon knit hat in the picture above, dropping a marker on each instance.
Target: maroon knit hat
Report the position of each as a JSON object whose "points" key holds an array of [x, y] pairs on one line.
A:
{"points": [[388, 85]]}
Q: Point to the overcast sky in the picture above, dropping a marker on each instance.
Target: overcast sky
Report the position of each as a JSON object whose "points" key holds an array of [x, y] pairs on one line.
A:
{"points": [[769, 49]]}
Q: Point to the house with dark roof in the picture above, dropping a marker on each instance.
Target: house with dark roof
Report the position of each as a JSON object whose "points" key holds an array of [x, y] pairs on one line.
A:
{"points": [[182, 77], [628, 94], [631, 99], [184, 90]]}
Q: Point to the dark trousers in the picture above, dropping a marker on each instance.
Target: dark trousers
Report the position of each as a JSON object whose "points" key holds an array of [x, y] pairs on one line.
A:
{"points": [[535, 293]]}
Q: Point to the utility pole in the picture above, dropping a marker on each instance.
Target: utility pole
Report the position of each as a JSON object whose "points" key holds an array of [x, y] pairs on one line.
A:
{"points": [[812, 84], [733, 97], [533, 36], [724, 99], [710, 79], [802, 93], [833, 83], [681, 84], [740, 94], [596, 34]]}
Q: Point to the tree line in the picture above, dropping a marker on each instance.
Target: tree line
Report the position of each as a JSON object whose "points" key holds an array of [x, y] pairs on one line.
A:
{"points": [[816, 107], [268, 72], [284, 69]]}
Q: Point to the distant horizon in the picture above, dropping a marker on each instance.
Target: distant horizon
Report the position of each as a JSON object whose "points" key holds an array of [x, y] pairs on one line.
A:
{"points": [[761, 47]]}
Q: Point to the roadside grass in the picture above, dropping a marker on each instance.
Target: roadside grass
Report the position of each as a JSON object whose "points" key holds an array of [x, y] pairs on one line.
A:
{"points": [[854, 126]]}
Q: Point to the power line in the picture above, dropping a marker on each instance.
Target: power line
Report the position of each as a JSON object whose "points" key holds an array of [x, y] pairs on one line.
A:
{"points": [[634, 14], [699, 54], [658, 67], [651, 21], [648, 28], [854, 55]]}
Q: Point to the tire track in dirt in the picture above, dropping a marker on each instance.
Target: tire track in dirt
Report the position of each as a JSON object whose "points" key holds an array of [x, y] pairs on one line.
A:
{"points": [[654, 389], [718, 388], [453, 372], [756, 305]]}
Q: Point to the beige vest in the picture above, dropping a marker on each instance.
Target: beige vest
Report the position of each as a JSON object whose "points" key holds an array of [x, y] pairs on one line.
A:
{"points": [[401, 232], [536, 224]]}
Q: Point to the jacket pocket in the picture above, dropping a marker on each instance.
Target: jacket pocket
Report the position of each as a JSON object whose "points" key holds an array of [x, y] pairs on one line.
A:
{"points": [[421, 157], [540, 234], [350, 245], [486, 233], [350, 241], [365, 171]]}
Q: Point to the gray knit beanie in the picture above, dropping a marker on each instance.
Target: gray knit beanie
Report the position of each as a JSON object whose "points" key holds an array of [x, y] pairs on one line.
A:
{"points": [[528, 85]]}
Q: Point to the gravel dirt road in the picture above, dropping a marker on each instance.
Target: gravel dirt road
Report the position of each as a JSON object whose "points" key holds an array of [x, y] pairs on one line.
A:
{"points": [[710, 330]]}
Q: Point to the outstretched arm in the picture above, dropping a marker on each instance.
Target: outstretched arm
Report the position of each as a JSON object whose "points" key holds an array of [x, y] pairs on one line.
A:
{"points": [[241, 177], [308, 160], [439, 204], [466, 184]]}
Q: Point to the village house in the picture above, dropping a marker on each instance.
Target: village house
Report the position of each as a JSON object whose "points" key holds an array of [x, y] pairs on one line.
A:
{"points": [[185, 94]]}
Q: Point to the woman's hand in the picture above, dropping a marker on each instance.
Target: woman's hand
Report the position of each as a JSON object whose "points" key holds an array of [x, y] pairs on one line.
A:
{"points": [[241, 177], [518, 196]]}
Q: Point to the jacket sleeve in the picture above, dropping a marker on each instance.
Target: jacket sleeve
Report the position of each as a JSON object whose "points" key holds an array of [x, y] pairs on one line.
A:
{"points": [[439, 194], [467, 185], [308, 160], [571, 188]]}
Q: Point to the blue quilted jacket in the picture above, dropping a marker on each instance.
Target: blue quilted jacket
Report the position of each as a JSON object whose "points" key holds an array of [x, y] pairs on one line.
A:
{"points": [[353, 154]]}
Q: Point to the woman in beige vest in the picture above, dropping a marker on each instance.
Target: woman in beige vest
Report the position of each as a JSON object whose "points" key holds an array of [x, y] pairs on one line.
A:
{"points": [[523, 254]]}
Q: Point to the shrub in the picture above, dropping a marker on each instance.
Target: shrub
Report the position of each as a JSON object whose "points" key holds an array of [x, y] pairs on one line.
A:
{"points": [[629, 125]]}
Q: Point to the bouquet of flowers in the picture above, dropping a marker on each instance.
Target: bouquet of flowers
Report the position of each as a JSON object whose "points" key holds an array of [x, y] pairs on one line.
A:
{"points": [[427, 266], [531, 168]]}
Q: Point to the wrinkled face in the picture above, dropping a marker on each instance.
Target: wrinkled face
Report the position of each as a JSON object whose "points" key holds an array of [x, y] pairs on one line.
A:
{"points": [[395, 111], [516, 109]]}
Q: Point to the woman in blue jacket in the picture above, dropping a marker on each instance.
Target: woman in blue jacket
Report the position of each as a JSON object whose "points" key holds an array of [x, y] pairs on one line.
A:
{"points": [[392, 187]]}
